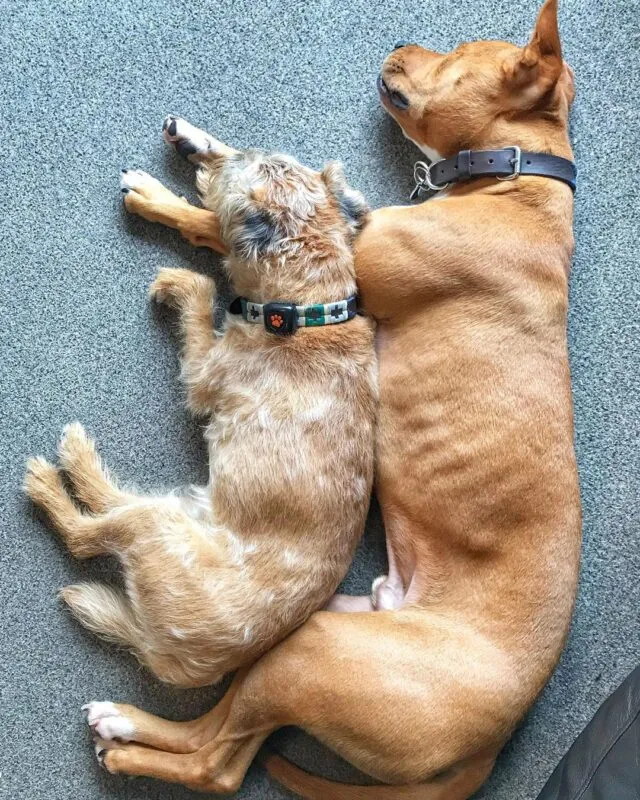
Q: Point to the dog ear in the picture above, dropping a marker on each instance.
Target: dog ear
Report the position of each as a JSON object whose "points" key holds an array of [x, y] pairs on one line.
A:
{"points": [[257, 235], [352, 204], [254, 233], [537, 66]]}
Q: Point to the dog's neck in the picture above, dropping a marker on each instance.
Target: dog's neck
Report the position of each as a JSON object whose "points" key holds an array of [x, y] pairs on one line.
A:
{"points": [[548, 136], [318, 282], [535, 135]]}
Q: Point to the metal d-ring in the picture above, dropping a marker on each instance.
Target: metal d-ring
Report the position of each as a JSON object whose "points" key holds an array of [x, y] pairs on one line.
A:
{"points": [[422, 177]]}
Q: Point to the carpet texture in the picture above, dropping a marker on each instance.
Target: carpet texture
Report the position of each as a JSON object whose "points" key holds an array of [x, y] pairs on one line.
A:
{"points": [[84, 88]]}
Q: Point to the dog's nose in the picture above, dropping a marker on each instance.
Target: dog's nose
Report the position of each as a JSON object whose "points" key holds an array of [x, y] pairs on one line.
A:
{"points": [[398, 45]]}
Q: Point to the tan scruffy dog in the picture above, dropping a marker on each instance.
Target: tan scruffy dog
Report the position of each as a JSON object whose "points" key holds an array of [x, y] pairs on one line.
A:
{"points": [[216, 576]]}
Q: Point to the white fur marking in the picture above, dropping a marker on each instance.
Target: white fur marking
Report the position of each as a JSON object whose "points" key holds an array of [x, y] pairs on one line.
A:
{"points": [[197, 503], [182, 551], [292, 558], [108, 722], [317, 411], [430, 153], [186, 131]]}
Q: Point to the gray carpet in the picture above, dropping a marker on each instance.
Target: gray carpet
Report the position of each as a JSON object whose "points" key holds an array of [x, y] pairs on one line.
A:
{"points": [[84, 88]]}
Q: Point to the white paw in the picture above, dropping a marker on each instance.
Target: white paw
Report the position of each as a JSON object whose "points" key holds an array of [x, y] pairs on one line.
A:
{"points": [[135, 180], [189, 141], [108, 722]]}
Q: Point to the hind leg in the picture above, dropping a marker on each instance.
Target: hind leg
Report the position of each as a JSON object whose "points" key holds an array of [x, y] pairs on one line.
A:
{"points": [[405, 722], [92, 484], [84, 535], [178, 752], [127, 723]]}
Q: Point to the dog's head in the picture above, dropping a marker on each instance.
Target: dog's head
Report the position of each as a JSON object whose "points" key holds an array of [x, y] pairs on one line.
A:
{"points": [[288, 227], [467, 99]]}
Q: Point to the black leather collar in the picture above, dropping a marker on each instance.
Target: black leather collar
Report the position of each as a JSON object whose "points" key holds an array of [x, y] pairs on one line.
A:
{"points": [[505, 165]]}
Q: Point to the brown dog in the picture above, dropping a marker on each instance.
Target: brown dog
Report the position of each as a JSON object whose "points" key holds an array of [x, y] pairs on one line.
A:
{"points": [[217, 575], [476, 471]]}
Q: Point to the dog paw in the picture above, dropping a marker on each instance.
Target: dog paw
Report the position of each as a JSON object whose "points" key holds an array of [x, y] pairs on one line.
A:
{"points": [[108, 723], [74, 444], [41, 480], [171, 286], [189, 141], [105, 750], [136, 181]]}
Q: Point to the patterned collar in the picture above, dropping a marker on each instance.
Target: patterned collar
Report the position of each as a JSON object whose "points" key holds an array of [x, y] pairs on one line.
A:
{"points": [[284, 319]]}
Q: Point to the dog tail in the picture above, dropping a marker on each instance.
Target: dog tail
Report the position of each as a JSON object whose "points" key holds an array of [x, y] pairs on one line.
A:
{"points": [[312, 787], [103, 610]]}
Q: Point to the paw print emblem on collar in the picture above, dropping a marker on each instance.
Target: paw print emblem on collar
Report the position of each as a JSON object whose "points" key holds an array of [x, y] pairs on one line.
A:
{"points": [[280, 318]]}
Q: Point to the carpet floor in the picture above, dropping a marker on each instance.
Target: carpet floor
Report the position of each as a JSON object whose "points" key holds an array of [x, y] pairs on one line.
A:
{"points": [[84, 88]]}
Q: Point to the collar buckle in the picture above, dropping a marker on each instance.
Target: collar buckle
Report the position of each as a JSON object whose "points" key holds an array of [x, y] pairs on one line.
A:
{"points": [[516, 163]]}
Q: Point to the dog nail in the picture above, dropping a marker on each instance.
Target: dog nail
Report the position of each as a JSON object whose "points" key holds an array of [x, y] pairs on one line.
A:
{"points": [[124, 170], [124, 190], [172, 127]]}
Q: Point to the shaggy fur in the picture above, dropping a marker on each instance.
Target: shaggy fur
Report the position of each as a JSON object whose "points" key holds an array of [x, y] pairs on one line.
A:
{"points": [[218, 574], [475, 469]]}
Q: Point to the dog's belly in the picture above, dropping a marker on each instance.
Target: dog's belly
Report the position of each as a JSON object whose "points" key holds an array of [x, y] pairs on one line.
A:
{"points": [[476, 471]]}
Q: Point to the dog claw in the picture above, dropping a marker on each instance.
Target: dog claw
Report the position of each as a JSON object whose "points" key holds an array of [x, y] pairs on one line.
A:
{"points": [[100, 752], [172, 127]]}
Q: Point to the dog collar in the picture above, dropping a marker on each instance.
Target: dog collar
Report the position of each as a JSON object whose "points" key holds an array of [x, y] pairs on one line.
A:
{"points": [[284, 319], [505, 165]]}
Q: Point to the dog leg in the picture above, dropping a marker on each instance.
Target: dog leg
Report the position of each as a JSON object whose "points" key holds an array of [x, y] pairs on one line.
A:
{"points": [[91, 481], [424, 684], [84, 535], [193, 295], [128, 723], [421, 685], [147, 197], [192, 143], [179, 752]]}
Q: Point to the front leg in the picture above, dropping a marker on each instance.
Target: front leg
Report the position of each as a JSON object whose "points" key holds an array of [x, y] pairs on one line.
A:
{"points": [[193, 295], [147, 197], [193, 143]]}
